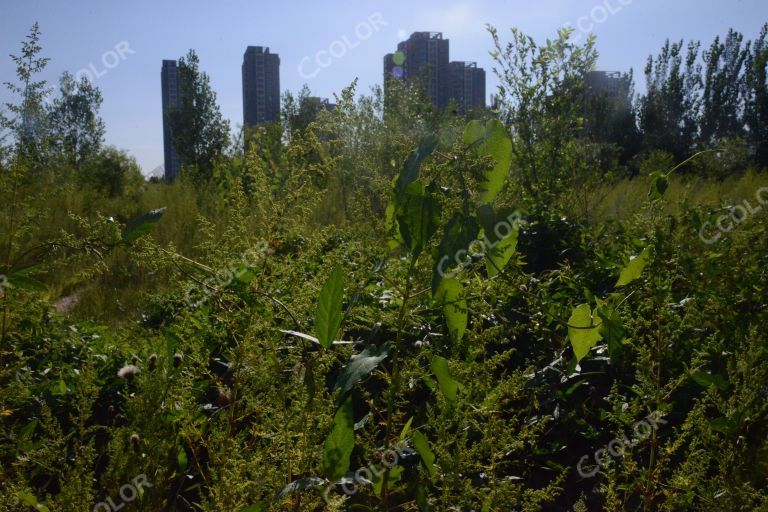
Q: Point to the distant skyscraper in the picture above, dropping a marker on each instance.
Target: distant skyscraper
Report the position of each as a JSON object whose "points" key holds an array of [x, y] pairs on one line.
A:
{"points": [[261, 86], [467, 86], [423, 59], [170, 81]]}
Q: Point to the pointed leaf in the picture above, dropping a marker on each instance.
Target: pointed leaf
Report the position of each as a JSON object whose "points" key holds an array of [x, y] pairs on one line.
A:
{"points": [[328, 314], [142, 225], [448, 387], [421, 445], [360, 365], [494, 142], [583, 331], [633, 269], [418, 216], [450, 295], [498, 256], [300, 485], [339, 443]]}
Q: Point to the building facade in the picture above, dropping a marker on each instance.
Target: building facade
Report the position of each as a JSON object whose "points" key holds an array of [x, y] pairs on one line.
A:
{"points": [[467, 86], [261, 86], [171, 98], [422, 59]]}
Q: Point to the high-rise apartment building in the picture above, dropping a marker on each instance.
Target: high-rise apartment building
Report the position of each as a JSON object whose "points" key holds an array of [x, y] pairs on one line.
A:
{"points": [[423, 59], [171, 94], [467, 86], [261, 86]]}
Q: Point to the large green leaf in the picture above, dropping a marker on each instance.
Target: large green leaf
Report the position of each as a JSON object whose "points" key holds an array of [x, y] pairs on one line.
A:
{"points": [[421, 445], [377, 478], [360, 365], [328, 313], [450, 296], [659, 184], [418, 216], [448, 387], [458, 234], [493, 141], [612, 328], [412, 166], [633, 269], [497, 256], [339, 443], [583, 331], [142, 225]]}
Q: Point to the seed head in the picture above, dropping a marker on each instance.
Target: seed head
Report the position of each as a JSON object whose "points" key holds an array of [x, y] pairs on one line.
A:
{"points": [[128, 372], [177, 359], [152, 361]]}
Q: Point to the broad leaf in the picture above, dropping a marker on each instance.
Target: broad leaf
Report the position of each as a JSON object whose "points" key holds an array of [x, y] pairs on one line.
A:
{"points": [[300, 485], [378, 478], [448, 387], [450, 296], [583, 331], [493, 141], [339, 443], [497, 256], [412, 166], [360, 365], [328, 314], [706, 380], [659, 184], [142, 225], [633, 269], [452, 252], [418, 216], [421, 445], [612, 329]]}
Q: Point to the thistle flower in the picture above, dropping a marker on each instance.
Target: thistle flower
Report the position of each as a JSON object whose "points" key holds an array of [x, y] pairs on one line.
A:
{"points": [[136, 443], [128, 372], [177, 359]]}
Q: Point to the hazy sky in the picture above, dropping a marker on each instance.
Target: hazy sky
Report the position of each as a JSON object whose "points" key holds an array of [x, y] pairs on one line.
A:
{"points": [[122, 43]]}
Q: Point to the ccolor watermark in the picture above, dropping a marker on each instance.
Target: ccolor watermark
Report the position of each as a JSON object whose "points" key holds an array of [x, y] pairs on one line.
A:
{"points": [[478, 248], [618, 447], [310, 67], [197, 295], [128, 493], [109, 60], [598, 15], [366, 475], [739, 214]]}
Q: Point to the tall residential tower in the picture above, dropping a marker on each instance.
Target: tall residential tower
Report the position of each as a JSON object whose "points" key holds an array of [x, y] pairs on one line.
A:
{"points": [[261, 86], [467, 87], [170, 82], [422, 59]]}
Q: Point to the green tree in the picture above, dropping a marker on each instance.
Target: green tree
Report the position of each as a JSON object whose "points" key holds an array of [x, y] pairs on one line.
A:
{"points": [[200, 133], [669, 112], [756, 101], [299, 112], [112, 172], [612, 118], [541, 98], [76, 128], [723, 93], [27, 120]]}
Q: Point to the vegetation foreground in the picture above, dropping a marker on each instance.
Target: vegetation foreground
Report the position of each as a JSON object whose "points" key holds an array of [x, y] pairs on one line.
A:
{"points": [[391, 309]]}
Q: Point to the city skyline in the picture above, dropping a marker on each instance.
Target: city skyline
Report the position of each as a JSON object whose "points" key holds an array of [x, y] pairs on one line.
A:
{"points": [[121, 46]]}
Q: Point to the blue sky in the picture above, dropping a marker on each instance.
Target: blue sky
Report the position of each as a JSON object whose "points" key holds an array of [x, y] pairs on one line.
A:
{"points": [[124, 42]]}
